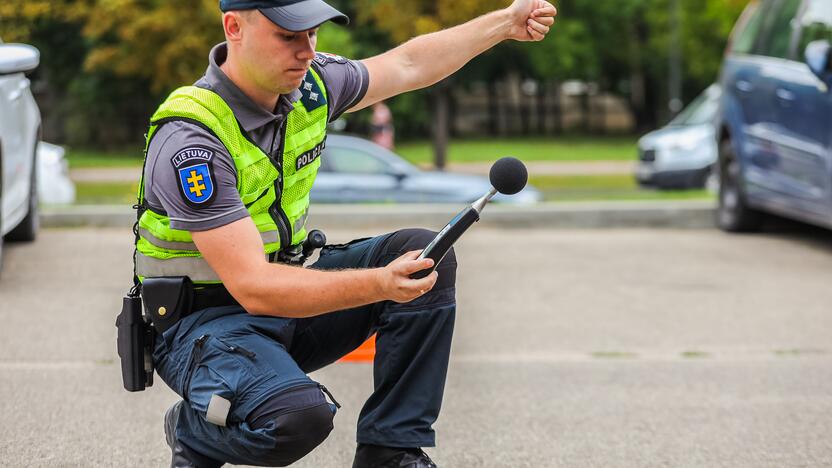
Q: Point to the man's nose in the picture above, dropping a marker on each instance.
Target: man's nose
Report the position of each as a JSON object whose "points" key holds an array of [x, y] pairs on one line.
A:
{"points": [[307, 50]]}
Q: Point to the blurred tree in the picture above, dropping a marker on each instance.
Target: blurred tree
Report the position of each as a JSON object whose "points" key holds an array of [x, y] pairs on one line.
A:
{"points": [[401, 21], [162, 41], [20, 19], [705, 27], [106, 63]]}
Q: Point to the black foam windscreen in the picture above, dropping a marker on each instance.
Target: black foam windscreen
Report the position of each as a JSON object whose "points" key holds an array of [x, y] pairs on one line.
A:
{"points": [[509, 175]]}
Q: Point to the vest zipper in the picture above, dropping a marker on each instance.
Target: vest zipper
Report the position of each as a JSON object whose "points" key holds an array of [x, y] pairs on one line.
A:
{"points": [[276, 209]]}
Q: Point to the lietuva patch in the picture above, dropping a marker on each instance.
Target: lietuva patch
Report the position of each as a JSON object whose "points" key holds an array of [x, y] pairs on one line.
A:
{"points": [[312, 96], [195, 170], [310, 156]]}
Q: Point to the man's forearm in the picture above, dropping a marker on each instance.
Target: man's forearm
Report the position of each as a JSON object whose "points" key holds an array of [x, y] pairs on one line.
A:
{"points": [[430, 58], [286, 291], [433, 57]]}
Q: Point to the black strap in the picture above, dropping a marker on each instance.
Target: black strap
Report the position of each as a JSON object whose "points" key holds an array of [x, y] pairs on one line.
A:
{"points": [[140, 208]]}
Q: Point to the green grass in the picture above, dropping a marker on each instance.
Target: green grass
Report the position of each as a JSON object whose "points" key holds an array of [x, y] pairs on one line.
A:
{"points": [[606, 187], [555, 188], [567, 148], [106, 193], [79, 158]]}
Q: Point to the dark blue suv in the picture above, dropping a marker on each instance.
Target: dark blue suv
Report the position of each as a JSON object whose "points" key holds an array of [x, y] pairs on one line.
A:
{"points": [[775, 133]]}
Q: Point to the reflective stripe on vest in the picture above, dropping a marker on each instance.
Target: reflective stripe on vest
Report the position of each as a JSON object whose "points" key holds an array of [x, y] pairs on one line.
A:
{"points": [[198, 269], [268, 237]]}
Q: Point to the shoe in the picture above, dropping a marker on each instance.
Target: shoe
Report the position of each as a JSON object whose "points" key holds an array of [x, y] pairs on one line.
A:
{"points": [[171, 418], [376, 456], [183, 456]]}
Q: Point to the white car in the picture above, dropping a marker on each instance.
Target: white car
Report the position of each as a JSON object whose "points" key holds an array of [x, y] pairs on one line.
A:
{"points": [[356, 170], [19, 136], [682, 155], [54, 185]]}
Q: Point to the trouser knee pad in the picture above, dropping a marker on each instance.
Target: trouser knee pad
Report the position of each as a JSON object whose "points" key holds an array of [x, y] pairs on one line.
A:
{"points": [[302, 420]]}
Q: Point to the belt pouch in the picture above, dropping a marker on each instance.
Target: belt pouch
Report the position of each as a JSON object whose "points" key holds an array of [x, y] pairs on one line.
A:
{"points": [[166, 300]]}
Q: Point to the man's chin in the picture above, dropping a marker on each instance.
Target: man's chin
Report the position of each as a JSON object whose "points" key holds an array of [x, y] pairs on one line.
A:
{"points": [[289, 86]]}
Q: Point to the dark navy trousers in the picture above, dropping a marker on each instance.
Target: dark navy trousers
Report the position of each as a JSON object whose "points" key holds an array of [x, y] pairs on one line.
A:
{"points": [[259, 364]]}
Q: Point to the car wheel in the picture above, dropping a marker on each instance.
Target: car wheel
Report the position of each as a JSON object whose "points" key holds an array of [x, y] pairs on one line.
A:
{"points": [[712, 179], [733, 213], [27, 230]]}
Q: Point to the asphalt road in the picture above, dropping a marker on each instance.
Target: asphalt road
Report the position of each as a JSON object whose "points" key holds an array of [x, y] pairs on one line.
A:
{"points": [[595, 348]]}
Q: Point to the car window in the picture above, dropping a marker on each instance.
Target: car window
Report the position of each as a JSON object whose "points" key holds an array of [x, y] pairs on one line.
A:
{"points": [[353, 161], [702, 110], [779, 29], [815, 24], [747, 30], [326, 165]]}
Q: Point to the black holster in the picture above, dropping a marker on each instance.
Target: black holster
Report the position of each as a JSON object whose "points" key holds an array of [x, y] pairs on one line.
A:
{"points": [[166, 300], [135, 345]]}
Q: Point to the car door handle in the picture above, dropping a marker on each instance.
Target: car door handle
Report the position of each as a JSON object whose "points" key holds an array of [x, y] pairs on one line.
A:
{"points": [[744, 86], [17, 93], [785, 95]]}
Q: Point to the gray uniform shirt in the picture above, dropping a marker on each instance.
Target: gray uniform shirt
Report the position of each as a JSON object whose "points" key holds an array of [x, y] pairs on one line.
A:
{"points": [[189, 174]]}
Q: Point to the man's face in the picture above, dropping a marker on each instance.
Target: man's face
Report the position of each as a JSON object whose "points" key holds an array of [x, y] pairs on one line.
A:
{"points": [[275, 59]]}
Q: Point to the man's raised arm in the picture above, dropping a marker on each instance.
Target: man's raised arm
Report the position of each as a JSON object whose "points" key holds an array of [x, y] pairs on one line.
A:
{"points": [[430, 58]]}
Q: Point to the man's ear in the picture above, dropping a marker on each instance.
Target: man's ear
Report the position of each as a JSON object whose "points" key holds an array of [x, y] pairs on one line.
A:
{"points": [[232, 23]]}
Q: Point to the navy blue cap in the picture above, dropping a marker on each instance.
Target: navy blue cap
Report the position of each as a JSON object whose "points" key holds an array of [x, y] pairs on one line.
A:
{"points": [[291, 15]]}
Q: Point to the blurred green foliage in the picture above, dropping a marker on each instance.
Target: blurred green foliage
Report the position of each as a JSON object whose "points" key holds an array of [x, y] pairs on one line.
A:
{"points": [[108, 63]]}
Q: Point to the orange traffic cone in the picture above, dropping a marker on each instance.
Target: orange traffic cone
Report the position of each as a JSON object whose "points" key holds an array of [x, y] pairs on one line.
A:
{"points": [[364, 353]]}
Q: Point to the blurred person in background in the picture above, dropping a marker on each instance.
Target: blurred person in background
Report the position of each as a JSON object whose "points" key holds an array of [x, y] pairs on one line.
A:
{"points": [[224, 202], [382, 131]]}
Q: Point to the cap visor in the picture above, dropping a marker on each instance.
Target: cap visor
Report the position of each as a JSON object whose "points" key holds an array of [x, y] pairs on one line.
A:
{"points": [[304, 15]]}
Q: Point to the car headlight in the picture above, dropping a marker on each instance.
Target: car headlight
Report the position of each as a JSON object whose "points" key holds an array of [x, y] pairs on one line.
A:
{"points": [[685, 144]]}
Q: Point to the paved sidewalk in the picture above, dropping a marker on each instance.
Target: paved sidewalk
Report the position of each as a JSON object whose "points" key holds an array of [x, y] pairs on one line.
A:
{"points": [[543, 168], [583, 215]]}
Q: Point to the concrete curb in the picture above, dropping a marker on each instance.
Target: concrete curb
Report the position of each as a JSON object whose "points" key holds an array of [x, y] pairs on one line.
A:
{"points": [[578, 215]]}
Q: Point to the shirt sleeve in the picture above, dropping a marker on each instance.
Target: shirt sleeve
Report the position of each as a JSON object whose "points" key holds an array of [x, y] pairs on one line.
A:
{"points": [[191, 178], [346, 82]]}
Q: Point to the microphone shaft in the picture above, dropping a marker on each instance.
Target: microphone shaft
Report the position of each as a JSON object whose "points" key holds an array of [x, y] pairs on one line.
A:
{"points": [[443, 241], [480, 204]]}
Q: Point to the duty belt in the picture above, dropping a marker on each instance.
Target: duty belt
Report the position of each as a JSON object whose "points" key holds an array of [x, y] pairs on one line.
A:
{"points": [[213, 296]]}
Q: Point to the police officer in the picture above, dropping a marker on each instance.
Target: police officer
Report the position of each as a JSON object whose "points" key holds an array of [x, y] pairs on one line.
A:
{"points": [[225, 196]]}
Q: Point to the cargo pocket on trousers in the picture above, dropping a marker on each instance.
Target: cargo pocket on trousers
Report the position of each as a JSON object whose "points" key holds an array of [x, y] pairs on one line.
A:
{"points": [[211, 381]]}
